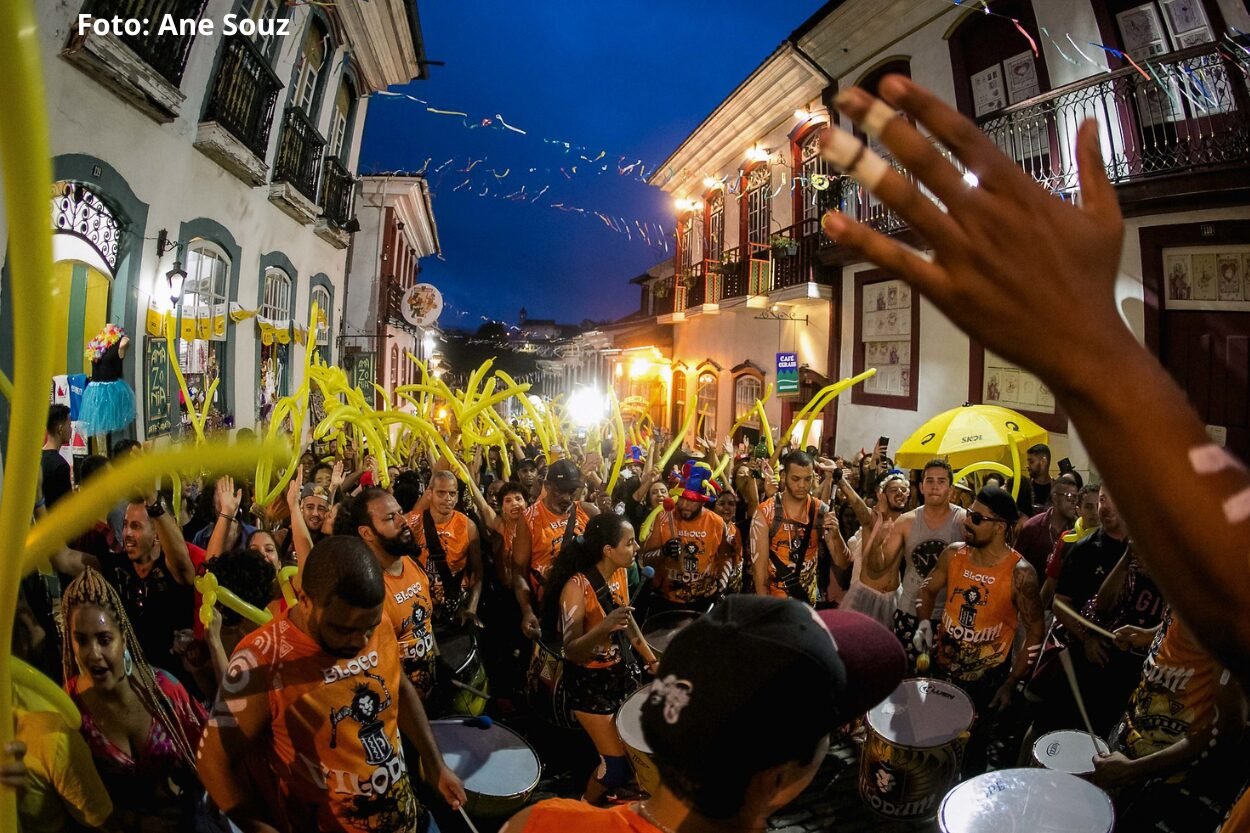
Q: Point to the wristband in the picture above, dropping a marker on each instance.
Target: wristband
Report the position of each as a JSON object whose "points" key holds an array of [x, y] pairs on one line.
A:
{"points": [[155, 510], [230, 518]]}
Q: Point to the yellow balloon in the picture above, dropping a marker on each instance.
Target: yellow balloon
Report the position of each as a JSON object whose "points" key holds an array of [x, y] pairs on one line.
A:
{"points": [[28, 677], [247, 611]]}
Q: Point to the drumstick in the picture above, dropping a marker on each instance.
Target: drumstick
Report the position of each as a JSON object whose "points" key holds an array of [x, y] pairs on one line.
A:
{"points": [[467, 820], [1093, 626], [640, 641], [476, 692], [1066, 660]]}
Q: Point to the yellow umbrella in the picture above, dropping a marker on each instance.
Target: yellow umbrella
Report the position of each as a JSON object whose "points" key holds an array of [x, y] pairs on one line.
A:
{"points": [[970, 434]]}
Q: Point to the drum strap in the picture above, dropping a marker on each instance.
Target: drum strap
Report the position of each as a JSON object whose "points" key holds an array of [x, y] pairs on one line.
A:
{"points": [[790, 577], [604, 594], [438, 560], [570, 532]]}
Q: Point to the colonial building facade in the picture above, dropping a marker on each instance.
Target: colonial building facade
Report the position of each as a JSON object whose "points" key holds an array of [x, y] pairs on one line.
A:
{"points": [[754, 276], [199, 175]]}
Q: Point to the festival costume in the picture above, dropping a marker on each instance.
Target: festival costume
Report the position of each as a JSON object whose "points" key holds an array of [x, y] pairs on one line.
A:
{"points": [[108, 403], [793, 548], [410, 610], [446, 579], [603, 683], [546, 537], [334, 743]]}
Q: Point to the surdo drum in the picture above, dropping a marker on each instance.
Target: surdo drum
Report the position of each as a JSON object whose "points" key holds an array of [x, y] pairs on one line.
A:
{"points": [[914, 750], [629, 727], [1068, 751], [498, 768], [1036, 800]]}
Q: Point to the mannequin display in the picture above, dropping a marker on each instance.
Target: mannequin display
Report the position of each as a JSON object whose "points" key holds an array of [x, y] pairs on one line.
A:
{"points": [[108, 404]]}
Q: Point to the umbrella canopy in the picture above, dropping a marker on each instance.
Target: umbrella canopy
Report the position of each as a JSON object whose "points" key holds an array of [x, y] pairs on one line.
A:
{"points": [[970, 434]]}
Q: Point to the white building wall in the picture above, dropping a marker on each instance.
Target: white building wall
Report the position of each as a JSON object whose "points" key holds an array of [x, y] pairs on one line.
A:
{"points": [[180, 184]]}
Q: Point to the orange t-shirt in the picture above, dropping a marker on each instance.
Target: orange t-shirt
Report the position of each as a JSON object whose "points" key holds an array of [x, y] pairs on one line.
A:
{"points": [[335, 747], [546, 536], [1238, 820], [557, 815], [699, 573], [410, 609], [1176, 694], [979, 621], [454, 536], [592, 613], [786, 542]]}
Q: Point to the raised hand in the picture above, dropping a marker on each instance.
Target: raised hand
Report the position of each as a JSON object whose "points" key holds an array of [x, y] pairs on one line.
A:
{"points": [[228, 498]]}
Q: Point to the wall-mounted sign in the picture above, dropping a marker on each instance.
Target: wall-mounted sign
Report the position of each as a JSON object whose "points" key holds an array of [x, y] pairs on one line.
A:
{"points": [[787, 374], [156, 387], [421, 305]]}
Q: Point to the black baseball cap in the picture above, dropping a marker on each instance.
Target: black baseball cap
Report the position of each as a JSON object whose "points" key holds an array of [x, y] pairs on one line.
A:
{"points": [[759, 675], [564, 476]]}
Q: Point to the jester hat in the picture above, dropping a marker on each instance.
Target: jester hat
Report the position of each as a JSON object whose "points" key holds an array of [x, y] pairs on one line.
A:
{"points": [[696, 482]]}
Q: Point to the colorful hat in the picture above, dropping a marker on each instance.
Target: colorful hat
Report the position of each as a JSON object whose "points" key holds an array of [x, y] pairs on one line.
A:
{"points": [[636, 456], [696, 482]]}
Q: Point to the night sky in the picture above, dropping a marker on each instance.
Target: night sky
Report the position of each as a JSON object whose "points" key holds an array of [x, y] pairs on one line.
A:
{"points": [[629, 79]]}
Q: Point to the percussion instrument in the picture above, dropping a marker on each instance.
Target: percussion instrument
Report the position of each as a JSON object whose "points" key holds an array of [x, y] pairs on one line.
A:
{"points": [[1068, 751], [459, 661], [914, 749], [659, 630], [544, 687], [629, 727], [498, 768], [1036, 800]]}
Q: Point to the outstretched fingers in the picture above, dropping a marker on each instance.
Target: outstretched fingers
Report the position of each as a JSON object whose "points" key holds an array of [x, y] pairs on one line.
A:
{"points": [[1097, 193], [926, 276]]}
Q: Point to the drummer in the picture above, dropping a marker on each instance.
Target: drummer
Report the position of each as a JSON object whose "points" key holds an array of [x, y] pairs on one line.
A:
{"points": [[1176, 761], [586, 604], [990, 589], [690, 547], [750, 656], [544, 528], [450, 551]]}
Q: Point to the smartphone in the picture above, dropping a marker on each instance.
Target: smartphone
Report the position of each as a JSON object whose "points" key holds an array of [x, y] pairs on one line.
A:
{"points": [[1065, 466], [884, 442]]}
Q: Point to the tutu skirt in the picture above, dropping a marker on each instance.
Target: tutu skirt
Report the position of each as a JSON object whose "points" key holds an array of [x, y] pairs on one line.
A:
{"points": [[107, 406]]}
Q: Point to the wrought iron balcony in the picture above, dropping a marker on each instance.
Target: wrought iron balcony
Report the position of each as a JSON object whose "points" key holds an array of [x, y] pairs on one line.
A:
{"points": [[696, 286], [664, 298], [1195, 118], [243, 95], [165, 53], [796, 264], [300, 149], [337, 191]]}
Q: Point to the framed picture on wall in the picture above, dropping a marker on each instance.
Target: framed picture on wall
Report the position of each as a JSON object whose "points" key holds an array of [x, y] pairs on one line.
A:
{"points": [[1186, 17], [1211, 278], [988, 92], [1021, 74], [1142, 31], [995, 381], [887, 339]]}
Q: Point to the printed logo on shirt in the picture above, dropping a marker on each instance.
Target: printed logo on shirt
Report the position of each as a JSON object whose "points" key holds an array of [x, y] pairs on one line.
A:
{"points": [[360, 665]]}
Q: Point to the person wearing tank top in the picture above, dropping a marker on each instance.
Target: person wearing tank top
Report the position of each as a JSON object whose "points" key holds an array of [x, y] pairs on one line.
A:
{"points": [[990, 590], [919, 537]]}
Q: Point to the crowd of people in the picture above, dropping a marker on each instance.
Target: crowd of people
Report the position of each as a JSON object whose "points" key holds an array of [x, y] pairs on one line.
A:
{"points": [[813, 588]]}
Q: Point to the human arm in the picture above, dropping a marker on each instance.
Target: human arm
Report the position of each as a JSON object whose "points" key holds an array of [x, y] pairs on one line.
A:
{"points": [[1007, 253], [301, 538], [760, 549], [1104, 602], [1027, 598], [415, 726], [579, 643], [522, 546], [475, 568], [831, 534], [887, 544], [863, 512], [177, 557], [644, 485], [228, 500], [240, 717], [934, 586]]}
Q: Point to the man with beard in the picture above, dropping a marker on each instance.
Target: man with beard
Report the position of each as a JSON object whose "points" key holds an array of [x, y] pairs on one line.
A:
{"points": [[787, 531], [1042, 532], [990, 590], [691, 549], [872, 593], [319, 693], [449, 551], [376, 517], [1085, 526], [545, 526], [921, 534]]}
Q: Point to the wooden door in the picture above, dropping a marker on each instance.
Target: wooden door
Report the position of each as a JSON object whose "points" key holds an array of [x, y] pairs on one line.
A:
{"points": [[1208, 353]]}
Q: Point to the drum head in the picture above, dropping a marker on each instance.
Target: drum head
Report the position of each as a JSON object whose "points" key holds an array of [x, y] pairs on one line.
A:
{"points": [[660, 629], [1068, 751], [1036, 800], [494, 761], [922, 713], [454, 647], [629, 720]]}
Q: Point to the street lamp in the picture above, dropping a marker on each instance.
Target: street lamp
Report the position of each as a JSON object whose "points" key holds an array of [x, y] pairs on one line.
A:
{"points": [[177, 278]]}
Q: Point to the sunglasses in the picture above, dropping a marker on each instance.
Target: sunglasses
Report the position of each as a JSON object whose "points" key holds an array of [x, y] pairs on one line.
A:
{"points": [[977, 518]]}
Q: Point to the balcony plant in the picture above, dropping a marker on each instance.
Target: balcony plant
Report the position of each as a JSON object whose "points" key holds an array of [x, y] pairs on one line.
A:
{"points": [[784, 246], [662, 288]]}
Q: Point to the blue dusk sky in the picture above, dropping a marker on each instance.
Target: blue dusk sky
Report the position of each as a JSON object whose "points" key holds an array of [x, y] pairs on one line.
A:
{"points": [[629, 80]]}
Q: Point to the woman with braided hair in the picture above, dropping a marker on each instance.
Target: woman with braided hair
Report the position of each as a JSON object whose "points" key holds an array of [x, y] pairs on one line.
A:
{"points": [[140, 723]]}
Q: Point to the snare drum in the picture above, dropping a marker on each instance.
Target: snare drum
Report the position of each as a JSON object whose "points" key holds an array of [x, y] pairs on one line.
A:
{"points": [[629, 727], [660, 629], [915, 745], [1036, 800], [498, 768], [458, 659], [544, 688], [1068, 751]]}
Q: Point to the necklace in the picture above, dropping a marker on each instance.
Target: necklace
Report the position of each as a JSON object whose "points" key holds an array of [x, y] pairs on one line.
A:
{"points": [[646, 814]]}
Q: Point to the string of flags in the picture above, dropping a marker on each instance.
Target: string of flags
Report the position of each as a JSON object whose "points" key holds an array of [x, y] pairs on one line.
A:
{"points": [[208, 323]]}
